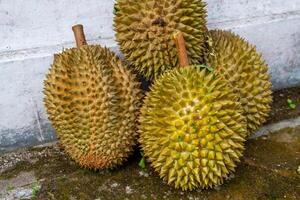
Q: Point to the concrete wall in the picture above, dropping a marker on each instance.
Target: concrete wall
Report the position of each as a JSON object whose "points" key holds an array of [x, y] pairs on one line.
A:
{"points": [[32, 30]]}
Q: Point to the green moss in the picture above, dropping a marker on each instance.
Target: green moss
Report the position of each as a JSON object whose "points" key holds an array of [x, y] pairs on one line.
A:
{"points": [[10, 188], [19, 167], [268, 171]]}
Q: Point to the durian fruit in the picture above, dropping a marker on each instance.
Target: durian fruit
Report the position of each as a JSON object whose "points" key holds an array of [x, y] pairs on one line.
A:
{"points": [[144, 28], [191, 128], [240, 63], [93, 101]]}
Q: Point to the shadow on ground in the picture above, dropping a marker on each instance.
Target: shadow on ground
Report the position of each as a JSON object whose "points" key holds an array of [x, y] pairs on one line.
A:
{"points": [[268, 171]]}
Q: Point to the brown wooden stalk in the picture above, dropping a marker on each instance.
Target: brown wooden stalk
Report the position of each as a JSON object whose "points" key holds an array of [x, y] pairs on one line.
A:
{"points": [[79, 35], [181, 49]]}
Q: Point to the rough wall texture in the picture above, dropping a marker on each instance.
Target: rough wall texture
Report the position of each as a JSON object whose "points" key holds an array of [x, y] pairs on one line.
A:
{"points": [[32, 30]]}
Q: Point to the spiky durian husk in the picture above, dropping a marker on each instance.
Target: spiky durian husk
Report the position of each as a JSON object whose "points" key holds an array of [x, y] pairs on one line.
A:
{"points": [[240, 63], [144, 32], [192, 129], [92, 101]]}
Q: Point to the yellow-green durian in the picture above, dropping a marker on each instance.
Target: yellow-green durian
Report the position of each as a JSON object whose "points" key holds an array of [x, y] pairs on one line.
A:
{"points": [[192, 129], [93, 100], [144, 30], [240, 63]]}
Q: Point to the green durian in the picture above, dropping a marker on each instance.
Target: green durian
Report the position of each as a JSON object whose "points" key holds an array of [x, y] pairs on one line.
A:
{"points": [[144, 31], [240, 63], [192, 129], [93, 101]]}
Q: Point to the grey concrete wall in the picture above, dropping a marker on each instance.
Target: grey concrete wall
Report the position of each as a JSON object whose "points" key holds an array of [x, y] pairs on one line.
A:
{"points": [[32, 30]]}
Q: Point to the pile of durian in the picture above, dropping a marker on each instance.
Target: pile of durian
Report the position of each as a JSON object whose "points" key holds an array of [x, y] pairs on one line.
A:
{"points": [[210, 91]]}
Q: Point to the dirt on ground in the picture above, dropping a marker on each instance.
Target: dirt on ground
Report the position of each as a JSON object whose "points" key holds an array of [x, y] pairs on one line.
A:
{"points": [[267, 171], [270, 169], [281, 109]]}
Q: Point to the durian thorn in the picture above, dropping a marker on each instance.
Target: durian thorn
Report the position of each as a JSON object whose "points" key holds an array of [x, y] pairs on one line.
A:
{"points": [[181, 49], [79, 35]]}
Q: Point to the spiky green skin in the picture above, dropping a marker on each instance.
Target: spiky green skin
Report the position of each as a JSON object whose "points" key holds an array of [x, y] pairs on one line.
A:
{"points": [[247, 72], [93, 101], [192, 129], [144, 31]]}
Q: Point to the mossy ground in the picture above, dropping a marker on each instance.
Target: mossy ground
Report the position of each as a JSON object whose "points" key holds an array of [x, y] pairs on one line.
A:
{"points": [[268, 171], [280, 108]]}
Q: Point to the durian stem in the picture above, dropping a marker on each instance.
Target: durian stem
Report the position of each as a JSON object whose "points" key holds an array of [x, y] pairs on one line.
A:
{"points": [[181, 49], [79, 35]]}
